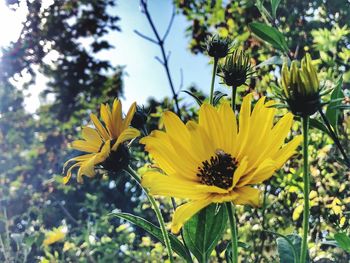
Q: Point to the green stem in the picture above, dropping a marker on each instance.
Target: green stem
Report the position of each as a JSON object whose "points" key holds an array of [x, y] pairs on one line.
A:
{"points": [[233, 226], [233, 98], [211, 97], [306, 180], [335, 137], [156, 209]]}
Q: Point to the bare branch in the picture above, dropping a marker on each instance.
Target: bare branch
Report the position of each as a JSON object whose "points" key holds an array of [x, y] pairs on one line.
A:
{"points": [[159, 60], [181, 79], [170, 24], [146, 37]]}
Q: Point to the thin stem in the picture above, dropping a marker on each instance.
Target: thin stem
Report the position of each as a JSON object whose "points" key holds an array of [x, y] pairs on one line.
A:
{"points": [[211, 97], [306, 179], [335, 138], [233, 226], [160, 42], [156, 209], [233, 98]]}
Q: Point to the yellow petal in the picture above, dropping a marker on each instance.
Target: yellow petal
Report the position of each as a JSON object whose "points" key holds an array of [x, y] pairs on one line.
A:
{"points": [[85, 146], [100, 128], [210, 121], [244, 123], [228, 118], [106, 116], [117, 117], [91, 135], [247, 196], [127, 134], [175, 127], [186, 211], [242, 167], [129, 116], [165, 185], [262, 173], [287, 151]]}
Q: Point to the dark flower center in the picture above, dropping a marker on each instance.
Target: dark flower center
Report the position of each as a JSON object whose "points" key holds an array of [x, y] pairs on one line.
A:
{"points": [[218, 170]]}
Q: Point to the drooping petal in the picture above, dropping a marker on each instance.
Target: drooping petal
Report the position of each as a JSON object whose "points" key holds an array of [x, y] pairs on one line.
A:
{"points": [[186, 211], [127, 134], [85, 146], [247, 196]]}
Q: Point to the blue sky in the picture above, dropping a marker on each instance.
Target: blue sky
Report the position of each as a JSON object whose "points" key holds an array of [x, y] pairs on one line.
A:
{"points": [[145, 75]]}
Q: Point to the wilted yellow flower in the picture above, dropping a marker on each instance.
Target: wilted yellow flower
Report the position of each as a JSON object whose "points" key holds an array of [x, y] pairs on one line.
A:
{"points": [[301, 87], [103, 141], [216, 160], [55, 235]]}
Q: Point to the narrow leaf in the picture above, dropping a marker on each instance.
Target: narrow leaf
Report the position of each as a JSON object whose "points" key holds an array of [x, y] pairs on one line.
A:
{"points": [[270, 35], [274, 6], [343, 241], [198, 100], [203, 231], [155, 231], [332, 112], [320, 126]]}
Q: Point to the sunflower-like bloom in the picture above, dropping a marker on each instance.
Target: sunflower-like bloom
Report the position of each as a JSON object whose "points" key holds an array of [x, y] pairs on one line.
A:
{"points": [[103, 142], [301, 87], [216, 160]]}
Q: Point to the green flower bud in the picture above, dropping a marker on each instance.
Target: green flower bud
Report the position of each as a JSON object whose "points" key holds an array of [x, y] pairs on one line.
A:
{"points": [[236, 69], [301, 87]]}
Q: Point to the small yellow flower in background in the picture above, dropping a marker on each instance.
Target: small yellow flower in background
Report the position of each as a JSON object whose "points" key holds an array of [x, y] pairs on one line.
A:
{"points": [[216, 160], [103, 140], [301, 87], [55, 235]]}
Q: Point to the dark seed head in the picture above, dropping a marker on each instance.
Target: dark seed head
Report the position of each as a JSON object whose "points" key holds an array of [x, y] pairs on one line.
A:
{"points": [[218, 170]]}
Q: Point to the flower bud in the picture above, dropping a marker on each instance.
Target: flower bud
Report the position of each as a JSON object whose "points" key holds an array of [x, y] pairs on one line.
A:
{"points": [[218, 47], [301, 87], [236, 69]]}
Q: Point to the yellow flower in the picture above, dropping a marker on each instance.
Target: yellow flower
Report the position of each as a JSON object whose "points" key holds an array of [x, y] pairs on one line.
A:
{"points": [[301, 87], [102, 141], [216, 160], [55, 235]]}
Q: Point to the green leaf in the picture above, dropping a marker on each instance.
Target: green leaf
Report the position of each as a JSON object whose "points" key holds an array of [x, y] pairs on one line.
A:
{"points": [[289, 248], [320, 126], [260, 5], [332, 112], [198, 100], [270, 35], [218, 95], [275, 60], [274, 6], [343, 241], [203, 231], [155, 231]]}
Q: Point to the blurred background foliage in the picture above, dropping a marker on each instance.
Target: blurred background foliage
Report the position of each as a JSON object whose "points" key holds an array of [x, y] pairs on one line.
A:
{"points": [[61, 41]]}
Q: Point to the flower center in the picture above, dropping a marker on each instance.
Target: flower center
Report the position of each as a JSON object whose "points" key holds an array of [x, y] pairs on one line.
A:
{"points": [[218, 170]]}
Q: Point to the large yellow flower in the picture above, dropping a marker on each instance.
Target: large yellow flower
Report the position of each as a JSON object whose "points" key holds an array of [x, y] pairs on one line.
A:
{"points": [[216, 160], [102, 140]]}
